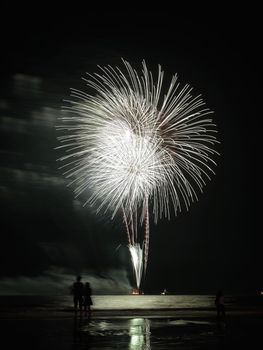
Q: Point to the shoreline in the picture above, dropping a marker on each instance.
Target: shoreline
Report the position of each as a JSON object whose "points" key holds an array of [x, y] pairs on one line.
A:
{"points": [[41, 328], [23, 313]]}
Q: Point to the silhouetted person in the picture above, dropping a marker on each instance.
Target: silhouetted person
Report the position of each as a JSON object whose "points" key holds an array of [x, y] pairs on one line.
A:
{"points": [[78, 290], [220, 304], [87, 298], [87, 302]]}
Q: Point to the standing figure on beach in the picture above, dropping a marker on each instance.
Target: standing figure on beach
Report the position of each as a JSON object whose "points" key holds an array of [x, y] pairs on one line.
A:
{"points": [[87, 298], [78, 290], [220, 304]]}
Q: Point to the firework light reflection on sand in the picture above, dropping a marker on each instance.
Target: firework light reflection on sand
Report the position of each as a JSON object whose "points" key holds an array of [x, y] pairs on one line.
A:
{"points": [[138, 151]]}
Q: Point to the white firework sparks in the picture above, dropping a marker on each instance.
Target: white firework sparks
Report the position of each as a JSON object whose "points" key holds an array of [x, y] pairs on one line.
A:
{"points": [[135, 149], [137, 260]]}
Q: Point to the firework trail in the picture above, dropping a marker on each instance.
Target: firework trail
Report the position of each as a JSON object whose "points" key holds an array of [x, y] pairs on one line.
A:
{"points": [[136, 150]]}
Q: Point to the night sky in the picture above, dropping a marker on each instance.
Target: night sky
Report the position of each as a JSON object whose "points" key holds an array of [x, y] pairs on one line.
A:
{"points": [[47, 237]]}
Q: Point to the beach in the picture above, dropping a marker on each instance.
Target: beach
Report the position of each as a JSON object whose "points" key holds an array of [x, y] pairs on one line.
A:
{"points": [[37, 325]]}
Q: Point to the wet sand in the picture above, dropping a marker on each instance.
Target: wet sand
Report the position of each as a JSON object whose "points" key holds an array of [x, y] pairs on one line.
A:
{"points": [[39, 328]]}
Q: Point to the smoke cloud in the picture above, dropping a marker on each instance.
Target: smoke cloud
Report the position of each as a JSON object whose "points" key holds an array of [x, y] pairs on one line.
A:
{"points": [[57, 281]]}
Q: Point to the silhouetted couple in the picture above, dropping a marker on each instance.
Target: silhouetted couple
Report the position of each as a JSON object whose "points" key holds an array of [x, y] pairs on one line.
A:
{"points": [[82, 296]]}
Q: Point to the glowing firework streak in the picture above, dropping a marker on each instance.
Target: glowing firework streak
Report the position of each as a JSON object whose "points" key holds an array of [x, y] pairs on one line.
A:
{"points": [[135, 150], [137, 260]]}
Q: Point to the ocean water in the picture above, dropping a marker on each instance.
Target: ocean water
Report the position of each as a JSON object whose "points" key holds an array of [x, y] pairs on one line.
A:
{"points": [[146, 302], [134, 302]]}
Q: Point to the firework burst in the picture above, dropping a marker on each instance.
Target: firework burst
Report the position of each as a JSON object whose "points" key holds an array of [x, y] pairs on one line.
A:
{"points": [[136, 150]]}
